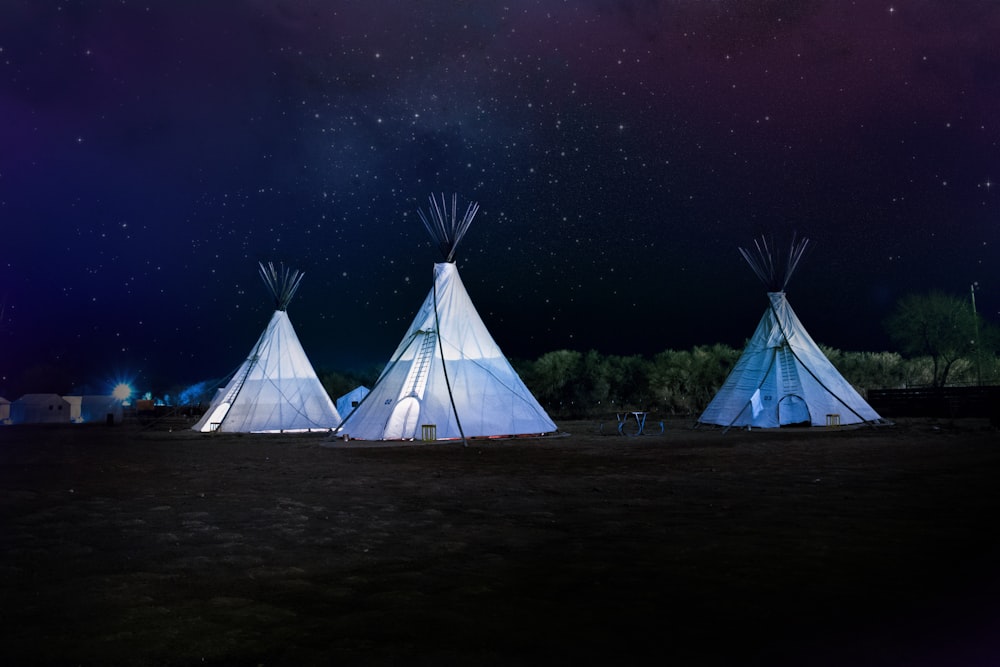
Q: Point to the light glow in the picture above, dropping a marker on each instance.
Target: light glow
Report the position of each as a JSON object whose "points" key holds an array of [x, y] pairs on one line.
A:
{"points": [[122, 391]]}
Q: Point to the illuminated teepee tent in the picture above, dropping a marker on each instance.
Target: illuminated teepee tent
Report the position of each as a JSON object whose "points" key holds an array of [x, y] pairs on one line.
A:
{"points": [[782, 377], [275, 389], [447, 374]]}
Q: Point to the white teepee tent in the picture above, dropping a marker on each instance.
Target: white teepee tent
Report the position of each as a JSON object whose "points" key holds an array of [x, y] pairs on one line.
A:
{"points": [[276, 388], [350, 400], [447, 378], [782, 377]]}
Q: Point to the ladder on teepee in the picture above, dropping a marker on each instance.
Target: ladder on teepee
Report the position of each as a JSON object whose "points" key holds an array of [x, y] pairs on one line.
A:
{"points": [[790, 381], [416, 380], [220, 409], [237, 387]]}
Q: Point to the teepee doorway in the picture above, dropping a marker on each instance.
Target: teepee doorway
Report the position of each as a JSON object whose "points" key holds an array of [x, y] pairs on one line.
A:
{"points": [[793, 411]]}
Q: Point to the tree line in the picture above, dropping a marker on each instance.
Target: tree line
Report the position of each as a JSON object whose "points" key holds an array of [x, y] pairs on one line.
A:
{"points": [[941, 340]]}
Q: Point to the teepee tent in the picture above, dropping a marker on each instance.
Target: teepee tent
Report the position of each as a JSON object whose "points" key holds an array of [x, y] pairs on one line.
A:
{"points": [[447, 378], [275, 389], [782, 377], [351, 400]]}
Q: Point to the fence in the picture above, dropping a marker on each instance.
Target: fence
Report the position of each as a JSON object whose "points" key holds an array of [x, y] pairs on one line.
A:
{"points": [[948, 402]]}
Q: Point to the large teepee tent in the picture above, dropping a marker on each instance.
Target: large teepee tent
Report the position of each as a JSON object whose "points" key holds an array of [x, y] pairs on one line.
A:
{"points": [[276, 388], [782, 377], [447, 378]]}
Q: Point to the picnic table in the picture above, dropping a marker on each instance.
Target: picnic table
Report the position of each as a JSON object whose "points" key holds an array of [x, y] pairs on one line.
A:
{"points": [[636, 422]]}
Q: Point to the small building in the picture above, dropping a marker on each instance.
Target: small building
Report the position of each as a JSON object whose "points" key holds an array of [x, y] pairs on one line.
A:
{"points": [[95, 409], [4, 410], [40, 409]]}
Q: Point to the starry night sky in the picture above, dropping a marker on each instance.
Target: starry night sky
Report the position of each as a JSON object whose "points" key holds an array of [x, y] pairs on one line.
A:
{"points": [[151, 153]]}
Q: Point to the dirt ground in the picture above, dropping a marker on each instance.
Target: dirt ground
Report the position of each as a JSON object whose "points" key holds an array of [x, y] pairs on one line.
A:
{"points": [[134, 545]]}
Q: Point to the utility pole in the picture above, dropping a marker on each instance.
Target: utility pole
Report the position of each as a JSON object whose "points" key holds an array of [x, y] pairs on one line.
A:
{"points": [[975, 321]]}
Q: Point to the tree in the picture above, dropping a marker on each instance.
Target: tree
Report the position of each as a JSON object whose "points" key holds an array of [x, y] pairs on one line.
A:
{"points": [[551, 379], [938, 325], [628, 378], [685, 381], [338, 384]]}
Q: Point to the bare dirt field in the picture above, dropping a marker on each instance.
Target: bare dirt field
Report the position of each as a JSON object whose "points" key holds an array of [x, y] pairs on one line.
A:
{"points": [[133, 545]]}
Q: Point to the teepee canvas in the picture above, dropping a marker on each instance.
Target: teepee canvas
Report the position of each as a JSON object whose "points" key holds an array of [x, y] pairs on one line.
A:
{"points": [[447, 378], [782, 377], [276, 388]]}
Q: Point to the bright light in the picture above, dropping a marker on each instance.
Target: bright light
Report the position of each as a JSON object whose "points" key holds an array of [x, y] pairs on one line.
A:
{"points": [[122, 391]]}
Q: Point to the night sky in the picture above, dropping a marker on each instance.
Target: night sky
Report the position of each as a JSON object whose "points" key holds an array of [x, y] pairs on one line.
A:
{"points": [[151, 153]]}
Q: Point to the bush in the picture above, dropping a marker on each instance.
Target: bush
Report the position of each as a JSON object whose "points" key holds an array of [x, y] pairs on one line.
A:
{"points": [[576, 385]]}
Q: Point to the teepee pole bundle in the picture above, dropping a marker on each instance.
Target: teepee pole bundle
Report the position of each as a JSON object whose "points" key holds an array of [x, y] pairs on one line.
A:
{"points": [[763, 262], [282, 282], [444, 226]]}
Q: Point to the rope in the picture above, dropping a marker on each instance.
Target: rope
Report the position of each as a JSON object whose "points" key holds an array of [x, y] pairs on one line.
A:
{"points": [[444, 367]]}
